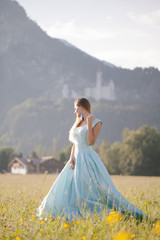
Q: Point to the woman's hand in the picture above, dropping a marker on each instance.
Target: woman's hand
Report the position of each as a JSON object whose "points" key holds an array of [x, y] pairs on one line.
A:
{"points": [[72, 163], [89, 119]]}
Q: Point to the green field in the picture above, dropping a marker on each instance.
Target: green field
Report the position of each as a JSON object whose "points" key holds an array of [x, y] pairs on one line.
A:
{"points": [[21, 195]]}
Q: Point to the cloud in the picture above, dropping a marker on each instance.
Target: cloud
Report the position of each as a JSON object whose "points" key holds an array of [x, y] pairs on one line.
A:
{"points": [[131, 59], [69, 30], [118, 46], [109, 18], [152, 18]]}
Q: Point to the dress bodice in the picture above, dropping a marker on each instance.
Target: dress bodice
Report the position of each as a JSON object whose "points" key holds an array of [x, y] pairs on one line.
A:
{"points": [[78, 136]]}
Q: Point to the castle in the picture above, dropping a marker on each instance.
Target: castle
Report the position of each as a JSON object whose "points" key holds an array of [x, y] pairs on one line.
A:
{"points": [[98, 92], [101, 92]]}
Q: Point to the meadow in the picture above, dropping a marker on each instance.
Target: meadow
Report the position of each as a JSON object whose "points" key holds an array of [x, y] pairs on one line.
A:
{"points": [[21, 195]]}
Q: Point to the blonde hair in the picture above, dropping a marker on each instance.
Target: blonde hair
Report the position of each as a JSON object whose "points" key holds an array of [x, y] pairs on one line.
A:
{"points": [[81, 102]]}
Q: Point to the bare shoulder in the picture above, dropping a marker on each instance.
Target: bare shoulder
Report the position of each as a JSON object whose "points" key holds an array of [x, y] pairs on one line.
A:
{"points": [[97, 122], [97, 128]]}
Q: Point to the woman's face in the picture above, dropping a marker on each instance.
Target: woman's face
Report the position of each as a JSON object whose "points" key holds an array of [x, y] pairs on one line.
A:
{"points": [[77, 110]]}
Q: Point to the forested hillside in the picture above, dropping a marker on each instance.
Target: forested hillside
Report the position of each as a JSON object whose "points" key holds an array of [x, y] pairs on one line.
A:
{"points": [[34, 65], [33, 70], [46, 123]]}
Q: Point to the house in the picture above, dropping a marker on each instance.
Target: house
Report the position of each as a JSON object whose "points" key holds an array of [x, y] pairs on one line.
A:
{"points": [[35, 165], [50, 164], [19, 166]]}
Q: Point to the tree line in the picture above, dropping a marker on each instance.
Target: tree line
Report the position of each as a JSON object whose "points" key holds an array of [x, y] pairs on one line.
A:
{"points": [[137, 154], [41, 124]]}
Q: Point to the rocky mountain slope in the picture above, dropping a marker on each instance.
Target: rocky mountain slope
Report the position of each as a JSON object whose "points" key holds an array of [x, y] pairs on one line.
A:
{"points": [[33, 70], [36, 65]]}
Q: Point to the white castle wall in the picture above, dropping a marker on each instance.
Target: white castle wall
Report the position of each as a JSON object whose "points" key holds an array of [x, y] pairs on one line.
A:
{"points": [[101, 92], [98, 92]]}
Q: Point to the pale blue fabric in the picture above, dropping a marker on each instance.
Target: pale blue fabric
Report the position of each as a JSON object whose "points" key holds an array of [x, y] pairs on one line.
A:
{"points": [[85, 189]]}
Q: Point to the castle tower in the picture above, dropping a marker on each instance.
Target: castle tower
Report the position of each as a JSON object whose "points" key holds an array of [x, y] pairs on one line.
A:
{"points": [[99, 80]]}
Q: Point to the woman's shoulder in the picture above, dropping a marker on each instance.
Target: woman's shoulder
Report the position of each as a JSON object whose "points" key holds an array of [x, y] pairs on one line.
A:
{"points": [[96, 120]]}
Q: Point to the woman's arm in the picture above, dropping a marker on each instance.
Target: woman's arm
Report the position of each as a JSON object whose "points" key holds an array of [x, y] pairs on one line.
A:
{"points": [[92, 134], [72, 159]]}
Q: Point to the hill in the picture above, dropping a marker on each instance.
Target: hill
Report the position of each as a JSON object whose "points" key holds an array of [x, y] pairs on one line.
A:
{"points": [[34, 68], [35, 65], [44, 123]]}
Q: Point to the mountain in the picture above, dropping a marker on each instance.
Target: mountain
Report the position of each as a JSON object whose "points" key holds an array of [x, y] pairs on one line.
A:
{"points": [[36, 65], [34, 68]]}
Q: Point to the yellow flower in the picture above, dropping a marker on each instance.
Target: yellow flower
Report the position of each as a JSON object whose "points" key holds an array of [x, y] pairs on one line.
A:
{"points": [[40, 229], [145, 203], [42, 222], [114, 217], [5, 208], [122, 236], [98, 220], [133, 236], [21, 220], [135, 197], [156, 227], [18, 238], [83, 237], [78, 222], [65, 225]]}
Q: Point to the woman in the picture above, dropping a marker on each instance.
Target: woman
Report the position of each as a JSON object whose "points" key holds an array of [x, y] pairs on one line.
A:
{"points": [[84, 185]]}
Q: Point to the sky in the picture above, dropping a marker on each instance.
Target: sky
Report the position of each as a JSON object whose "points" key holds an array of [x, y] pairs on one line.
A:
{"points": [[125, 33]]}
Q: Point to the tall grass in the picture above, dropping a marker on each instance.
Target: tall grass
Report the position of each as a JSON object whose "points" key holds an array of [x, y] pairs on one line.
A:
{"points": [[21, 195]]}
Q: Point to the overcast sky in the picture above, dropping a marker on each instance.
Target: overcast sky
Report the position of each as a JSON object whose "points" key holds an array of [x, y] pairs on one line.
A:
{"points": [[123, 32]]}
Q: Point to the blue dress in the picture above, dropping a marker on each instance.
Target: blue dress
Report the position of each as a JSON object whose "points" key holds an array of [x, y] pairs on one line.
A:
{"points": [[86, 189]]}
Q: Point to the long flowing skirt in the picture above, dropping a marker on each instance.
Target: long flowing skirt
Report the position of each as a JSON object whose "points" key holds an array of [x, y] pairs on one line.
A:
{"points": [[86, 189]]}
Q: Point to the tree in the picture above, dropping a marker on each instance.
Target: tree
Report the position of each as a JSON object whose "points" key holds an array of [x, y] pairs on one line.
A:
{"points": [[140, 153], [102, 151], [34, 155], [110, 155], [64, 155], [113, 158], [6, 155]]}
